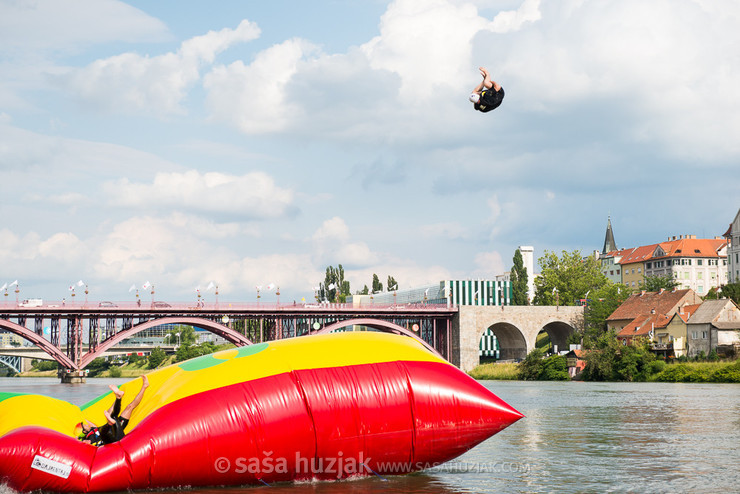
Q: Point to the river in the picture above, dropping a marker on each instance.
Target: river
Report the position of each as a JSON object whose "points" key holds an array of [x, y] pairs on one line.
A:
{"points": [[576, 437]]}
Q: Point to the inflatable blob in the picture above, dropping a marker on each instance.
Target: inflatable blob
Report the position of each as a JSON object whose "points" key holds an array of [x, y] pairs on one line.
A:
{"points": [[321, 407]]}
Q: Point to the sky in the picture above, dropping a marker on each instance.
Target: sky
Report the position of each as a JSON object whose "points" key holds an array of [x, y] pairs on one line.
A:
{"points": [[249, 143]]}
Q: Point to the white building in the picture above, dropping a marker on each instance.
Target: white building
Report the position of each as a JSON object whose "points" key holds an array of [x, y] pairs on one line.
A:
{"points": [[733, 250], [696, 263]]}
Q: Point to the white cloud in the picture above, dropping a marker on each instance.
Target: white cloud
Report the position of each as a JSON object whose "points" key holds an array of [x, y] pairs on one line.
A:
{"points": [[427, 43], [250, 196], [132, 83], [254, 98], [332, 245]]}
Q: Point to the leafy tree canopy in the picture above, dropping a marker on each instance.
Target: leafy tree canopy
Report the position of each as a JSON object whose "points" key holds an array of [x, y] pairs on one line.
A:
{"points": [[655, 283], [732, 291], [567, 279], [334, 288], [602, 302]]}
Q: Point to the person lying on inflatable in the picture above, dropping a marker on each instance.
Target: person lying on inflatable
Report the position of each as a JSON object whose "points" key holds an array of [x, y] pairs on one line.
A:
{"points": [[117, 421]]}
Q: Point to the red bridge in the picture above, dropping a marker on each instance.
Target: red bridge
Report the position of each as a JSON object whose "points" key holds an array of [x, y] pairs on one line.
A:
{"points": [[80, 333]]}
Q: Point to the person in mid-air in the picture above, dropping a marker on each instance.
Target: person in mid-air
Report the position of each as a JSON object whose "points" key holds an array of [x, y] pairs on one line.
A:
{"points": [[117, 420], [487, 95]]}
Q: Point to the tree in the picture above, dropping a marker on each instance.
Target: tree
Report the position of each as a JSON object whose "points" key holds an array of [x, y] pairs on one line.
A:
{"points": [[602, 302], [377, 285], [655, 283], [156, 357], [519, 280], [731, 291], [712, 294], [187, 335], [567, 279], [334, 288], [392, 285]]}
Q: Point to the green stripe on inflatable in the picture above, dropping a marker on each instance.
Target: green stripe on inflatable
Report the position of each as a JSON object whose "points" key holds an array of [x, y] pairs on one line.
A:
{"points": [[209, 360], [95, 400], [5, 396], [246, 351], [200, 363]]}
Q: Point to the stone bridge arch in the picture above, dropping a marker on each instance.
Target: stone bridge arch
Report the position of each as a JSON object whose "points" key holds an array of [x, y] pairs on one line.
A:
{"points": [[40, 342], [516, 327]]}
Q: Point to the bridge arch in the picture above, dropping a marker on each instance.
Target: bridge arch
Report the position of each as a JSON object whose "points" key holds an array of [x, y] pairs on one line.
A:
{"points": [[40, 342], [511, 341], [219, 329], [559, 332], [379, 324]]}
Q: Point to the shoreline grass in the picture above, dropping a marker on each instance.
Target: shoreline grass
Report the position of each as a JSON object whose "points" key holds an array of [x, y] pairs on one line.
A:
{"points": [[496, 372]]}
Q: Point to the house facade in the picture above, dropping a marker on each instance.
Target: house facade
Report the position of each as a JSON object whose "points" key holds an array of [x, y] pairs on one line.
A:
{"points": [[698, 264], [733, 250], [671, 340], [633, 265], [713, 321], [611, 265]]}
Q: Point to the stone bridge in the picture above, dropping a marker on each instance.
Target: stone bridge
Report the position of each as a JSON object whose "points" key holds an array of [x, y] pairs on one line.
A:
{"points": [[516, 329]]}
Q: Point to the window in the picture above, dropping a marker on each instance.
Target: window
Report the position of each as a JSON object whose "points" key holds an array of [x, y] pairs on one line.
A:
{"points": [[694, 334], [686, 275], [698, 262], [633, 270], [617, 271], [699, 275], [700, 289], [611, 272], [704, 335], [650, 265], [639, 270]]}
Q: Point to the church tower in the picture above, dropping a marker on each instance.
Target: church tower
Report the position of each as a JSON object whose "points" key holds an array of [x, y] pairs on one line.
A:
{"points": [[609, 243]]}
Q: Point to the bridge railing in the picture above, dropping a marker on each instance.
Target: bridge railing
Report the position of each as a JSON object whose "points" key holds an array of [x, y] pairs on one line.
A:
{"points": [[64, 306]]}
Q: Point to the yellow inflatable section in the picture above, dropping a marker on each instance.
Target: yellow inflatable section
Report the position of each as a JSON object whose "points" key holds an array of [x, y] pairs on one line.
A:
{"points": [[213, 371]]}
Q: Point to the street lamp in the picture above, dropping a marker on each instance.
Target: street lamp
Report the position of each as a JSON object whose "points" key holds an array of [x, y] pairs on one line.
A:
{"points": [[178, 338]]}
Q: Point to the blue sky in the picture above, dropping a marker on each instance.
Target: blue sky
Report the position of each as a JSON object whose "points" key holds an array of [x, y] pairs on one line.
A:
{"points": [[248, 143]]}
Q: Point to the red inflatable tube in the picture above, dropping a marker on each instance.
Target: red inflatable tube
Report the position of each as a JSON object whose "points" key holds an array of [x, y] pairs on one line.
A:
{"points": [[330, 423]]}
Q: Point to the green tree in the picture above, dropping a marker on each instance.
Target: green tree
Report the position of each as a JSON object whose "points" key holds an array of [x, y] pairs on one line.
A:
{"points": [[610, 361], [392, 285], [602, 302], [566, 279], [731, 291], [115, 371], [532, 365], [365, 290], [519, 280], [377, 285], [156, 357], [187, 335], [655, 283], [334, 288], [712, 294]]}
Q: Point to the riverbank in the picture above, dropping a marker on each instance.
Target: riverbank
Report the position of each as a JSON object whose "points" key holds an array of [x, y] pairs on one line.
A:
{"points": [[696, 372]]}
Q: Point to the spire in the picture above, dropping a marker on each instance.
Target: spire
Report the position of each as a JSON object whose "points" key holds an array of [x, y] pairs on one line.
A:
{"points": [[609, 243]]}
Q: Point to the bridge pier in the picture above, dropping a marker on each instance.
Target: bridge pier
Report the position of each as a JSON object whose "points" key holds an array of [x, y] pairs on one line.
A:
{"points": [[73, 376]]}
